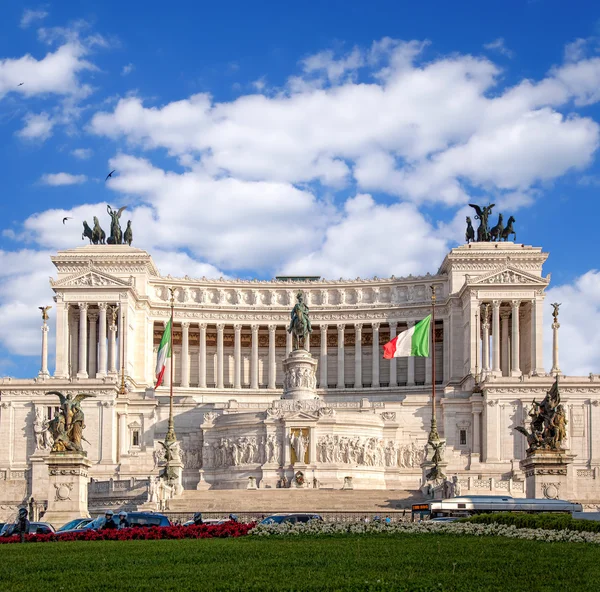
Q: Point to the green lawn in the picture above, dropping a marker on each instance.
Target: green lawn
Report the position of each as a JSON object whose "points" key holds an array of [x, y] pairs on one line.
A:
{"points": [[373, 562]]}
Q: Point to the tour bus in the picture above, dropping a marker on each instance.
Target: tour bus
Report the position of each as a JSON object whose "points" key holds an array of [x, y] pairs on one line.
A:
{"points": [[459, 507]]}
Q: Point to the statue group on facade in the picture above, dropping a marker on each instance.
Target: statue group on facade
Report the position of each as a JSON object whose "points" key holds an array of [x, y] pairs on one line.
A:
{"points": [[67, 425], [300, 326], [358, 450], [231, 452], [484, 232], [547, 423], [97, 236]]}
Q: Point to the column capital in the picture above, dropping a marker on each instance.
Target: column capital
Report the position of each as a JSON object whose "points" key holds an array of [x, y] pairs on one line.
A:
{"points": [[505, 315], [254, 329], [83, 306], [496, 303], [102, 305], [515, 303], [358, 326], [185, 324], [45, 328], [92, 315], [112, 328], [237, 327], [341, 327], [376, 326], [202, 326], [220, 327], [393, 324], [272, 329], [324, 327]]}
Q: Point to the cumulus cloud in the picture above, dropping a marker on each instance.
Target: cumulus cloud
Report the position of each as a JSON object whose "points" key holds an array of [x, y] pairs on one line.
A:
{"points": [[579, 318], [82, 153], [32, 16], [37, 127], [60, 179]]}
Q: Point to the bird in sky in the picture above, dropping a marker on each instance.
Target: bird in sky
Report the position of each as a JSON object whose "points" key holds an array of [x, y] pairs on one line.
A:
{"points": [[20, 84], [66, 218], [110, 174]]}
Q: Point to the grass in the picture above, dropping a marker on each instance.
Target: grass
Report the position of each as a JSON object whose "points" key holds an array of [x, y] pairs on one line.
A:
{"points": [[368, 562]]}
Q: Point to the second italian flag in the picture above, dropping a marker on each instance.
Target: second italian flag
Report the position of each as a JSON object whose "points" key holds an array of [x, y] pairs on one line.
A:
{"points": [[164, 353], [413, 342]]}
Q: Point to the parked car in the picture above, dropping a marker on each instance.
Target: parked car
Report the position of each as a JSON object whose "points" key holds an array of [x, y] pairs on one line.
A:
{"points": [[293, 518], [75, 524], [207, 521], [147, 519], [34, 528]]}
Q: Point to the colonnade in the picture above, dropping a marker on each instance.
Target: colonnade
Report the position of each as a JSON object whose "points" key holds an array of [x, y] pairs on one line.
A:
{"points": [[341, 378]]}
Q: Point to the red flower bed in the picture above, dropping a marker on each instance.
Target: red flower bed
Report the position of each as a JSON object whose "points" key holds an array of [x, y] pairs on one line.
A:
{"points": [[202, 531]]}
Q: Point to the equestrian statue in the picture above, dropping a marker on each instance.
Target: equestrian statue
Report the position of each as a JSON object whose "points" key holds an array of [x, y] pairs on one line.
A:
{"points": [[300, 326]]}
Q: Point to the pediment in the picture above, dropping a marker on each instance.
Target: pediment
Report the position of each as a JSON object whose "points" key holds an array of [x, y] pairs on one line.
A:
{"points": [[509, 276], [300, 416], [91, 278]]}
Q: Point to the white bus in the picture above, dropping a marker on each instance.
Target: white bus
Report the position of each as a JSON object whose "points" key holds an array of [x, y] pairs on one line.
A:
{"points": [[478, 504]]}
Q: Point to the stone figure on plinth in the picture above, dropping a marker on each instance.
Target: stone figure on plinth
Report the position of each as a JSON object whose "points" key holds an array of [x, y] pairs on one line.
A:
{"points": [[300, 326], [68, 423], [41, 430], [299, 443]]}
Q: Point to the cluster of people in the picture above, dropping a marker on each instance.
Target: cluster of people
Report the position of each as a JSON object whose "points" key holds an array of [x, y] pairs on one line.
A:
{"points": [[111, 524]]}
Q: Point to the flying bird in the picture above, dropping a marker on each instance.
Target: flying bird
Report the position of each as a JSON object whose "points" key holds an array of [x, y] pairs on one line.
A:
{"points": [[66, 218], [20, 84], [110, 174]]}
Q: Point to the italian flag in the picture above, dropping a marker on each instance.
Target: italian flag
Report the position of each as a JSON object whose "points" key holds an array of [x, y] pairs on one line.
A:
{"points": [[414, 342], [164, 353]]}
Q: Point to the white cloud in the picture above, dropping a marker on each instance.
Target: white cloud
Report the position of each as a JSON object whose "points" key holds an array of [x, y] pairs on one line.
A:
{"points": [[499, 46], [59, 179], [31, 16], [37, 127], [82, 153], [178, 264], [127, 69], [579, 318], [424, 131]]}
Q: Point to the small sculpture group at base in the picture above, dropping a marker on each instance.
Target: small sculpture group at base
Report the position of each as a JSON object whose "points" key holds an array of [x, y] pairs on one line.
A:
{"points": [[97, 236], [66, 428], [484, 233], [548, 423]]}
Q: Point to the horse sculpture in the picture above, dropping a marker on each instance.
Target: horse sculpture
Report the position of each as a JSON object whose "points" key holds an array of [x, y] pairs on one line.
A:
{"points": [[470, 233], [509, 230], [98, 235], [496, 231], [87, 232], [128, 234], [300, 326]]}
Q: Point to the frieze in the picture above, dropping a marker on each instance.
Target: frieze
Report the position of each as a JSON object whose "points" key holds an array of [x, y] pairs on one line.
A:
{"points": [[542, 471]]}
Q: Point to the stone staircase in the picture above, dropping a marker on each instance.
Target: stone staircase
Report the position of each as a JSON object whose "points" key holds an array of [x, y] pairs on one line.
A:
{"points": [[269, 501]]}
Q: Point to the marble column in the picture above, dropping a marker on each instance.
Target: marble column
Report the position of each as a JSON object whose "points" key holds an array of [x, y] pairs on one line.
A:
{"points": [[272, 358], [185, 354], [220, 330], [82, 366], [102, 358], [112, 343], [537, 331], [61, 369], [505, 359], [237, 356], [254, 358], [341, 382], [555, 327], [496, 337], [410, 378], [202, 357], [358, 355], [515, 367], [93, 340], [323, 358], [43, 373], [393, 361], [375, 379], [121, 336], [485, 340], [73, 341]]}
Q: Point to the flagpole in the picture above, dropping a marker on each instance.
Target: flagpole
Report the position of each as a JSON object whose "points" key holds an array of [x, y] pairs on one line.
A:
{"points": [[170, 437], [433, 434]]}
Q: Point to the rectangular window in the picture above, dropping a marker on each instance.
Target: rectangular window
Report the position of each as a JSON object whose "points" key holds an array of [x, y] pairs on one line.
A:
{"points": [[463, 437], [136, 438]]}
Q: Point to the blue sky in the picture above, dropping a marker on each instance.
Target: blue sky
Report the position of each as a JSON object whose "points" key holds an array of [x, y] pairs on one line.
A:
{"points": [[254, 140]]}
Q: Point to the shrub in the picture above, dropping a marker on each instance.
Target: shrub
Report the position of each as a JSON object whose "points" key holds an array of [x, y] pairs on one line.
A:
{"points": [[543, 521]]}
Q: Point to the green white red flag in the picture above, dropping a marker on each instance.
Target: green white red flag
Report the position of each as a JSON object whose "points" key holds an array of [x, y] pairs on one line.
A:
{"points": [[164, 353], [413, 342]]}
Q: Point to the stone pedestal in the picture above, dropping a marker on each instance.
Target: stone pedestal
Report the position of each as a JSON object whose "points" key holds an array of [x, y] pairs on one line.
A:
{"points": [[175, 468], [67, 487], [202, 484], [300, 380], [548, 474]]}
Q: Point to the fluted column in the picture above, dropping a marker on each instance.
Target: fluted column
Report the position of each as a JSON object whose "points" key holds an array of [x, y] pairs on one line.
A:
{"points": [[185, 354], [410, 375], [358, 355], [323, 358], [102, 358], [341, 382], [43, 373], [375, 379], [496, 337], [505, 361], [82, 366], [220, 330], [393, 361], [92, 342], [272, 358], [515, 369], [254, 359], [537, 329], [61, 369], [237, 356], [112, 343], [485, 339], [202, 357], [555, 327]]}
